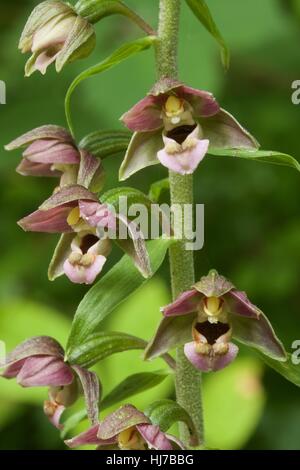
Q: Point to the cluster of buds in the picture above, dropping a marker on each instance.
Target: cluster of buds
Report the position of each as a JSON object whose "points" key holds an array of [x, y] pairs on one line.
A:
{"points": [[126, 429], [175, 125], [39, 362], [74, 209], [211, 313]]}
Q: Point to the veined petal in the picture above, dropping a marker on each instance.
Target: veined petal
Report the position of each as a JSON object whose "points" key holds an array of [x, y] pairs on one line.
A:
{"points": [[141, 153], [213, 285], [27, 168], [68, 194], [259, 334], [92, 391], [154, 437], [51, 152], [88, 437], [145, 115], [207, 362], [224, 131], [40, 133], [88, 169], [239, 304], [96, 214], [39, 371], [60, 255], [125, 417], [203, 103], [171, 332], [51, 221], [187, 302]]}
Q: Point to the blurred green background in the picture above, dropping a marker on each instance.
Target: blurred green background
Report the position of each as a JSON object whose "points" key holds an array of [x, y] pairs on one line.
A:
{"points": [[252, 226]]}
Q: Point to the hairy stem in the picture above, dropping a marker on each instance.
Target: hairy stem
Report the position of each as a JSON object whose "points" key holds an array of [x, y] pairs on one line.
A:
{"points": [[188, 379]]}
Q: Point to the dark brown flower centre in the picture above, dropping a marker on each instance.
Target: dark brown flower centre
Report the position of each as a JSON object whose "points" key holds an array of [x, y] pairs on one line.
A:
{"points": [[179, 134], [87, 242], [212, 331]]}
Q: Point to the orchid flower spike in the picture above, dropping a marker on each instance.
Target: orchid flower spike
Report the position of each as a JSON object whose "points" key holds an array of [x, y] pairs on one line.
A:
{"points": [[126, 429], [39, 362], [175, 125], [206, 317], [54, 32]]}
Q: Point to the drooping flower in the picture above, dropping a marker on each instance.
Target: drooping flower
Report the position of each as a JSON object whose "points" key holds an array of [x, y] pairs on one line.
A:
{"points": [[175, 125], [39, 362], [54, 32], [210, 314], [51, 151], [85, 244], [126, 429]]}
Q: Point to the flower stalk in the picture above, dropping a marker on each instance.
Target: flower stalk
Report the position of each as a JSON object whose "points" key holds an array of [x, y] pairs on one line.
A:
{"points": [[188, 379]]}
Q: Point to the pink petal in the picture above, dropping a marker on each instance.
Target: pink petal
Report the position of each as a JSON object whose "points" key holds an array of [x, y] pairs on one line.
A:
{"points": [[84, 275], [183, 162], [187, 302], [154, 437], [96, 214], [54, 413], [239, 304], [40, 371], [208, 363], [43, 61], [44, 132], [51, 151], [89, 437], [203, 103], [50, 221], [27, 168], [145, 115]]}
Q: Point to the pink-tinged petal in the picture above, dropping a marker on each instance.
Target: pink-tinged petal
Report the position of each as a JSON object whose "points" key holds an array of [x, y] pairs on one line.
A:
{"points": [[213, 285], [89, 437], [122, 419], [12, 371], [154, 437], [224, 131], [141, 153], [96, 214], [67, 195], [27, 168], [213, 362], [54, 413], [50, 221], [40, 371], [187, 302], [53, 33], [177, 443], [89, 166], [84, 275], [43, 61], [183, 162], [203, 103], [239, 304], [259, 334], [145, 115], [134, 246], [171, 332], [51, 152], [36, 346], [44, 132], [92, 392]]}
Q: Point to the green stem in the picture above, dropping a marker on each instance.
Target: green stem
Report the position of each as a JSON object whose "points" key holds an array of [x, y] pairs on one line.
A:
{"points": [[188, 379]]}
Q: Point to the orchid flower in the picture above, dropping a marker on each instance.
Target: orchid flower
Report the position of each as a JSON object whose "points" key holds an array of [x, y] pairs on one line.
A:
{"points": [[206, 317], [175, 125], [126, 429], [39, 362], [55, 33]]}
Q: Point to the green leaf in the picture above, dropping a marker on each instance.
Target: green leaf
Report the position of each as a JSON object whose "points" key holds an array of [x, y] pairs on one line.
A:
{"points": [[101, 300], [164, 413], [264, 156], [105, 144], [157, 188], [72, 421], [101, 345], [201, 11], [121, 54], [287, 369], [132, 385], [233, 403]]}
